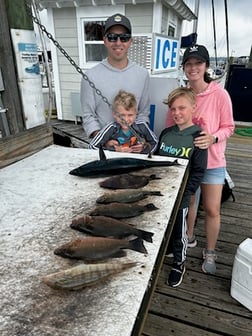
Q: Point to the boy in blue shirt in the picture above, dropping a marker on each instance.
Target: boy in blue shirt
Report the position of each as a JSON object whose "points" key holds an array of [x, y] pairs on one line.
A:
{"points": [[125, 134]]}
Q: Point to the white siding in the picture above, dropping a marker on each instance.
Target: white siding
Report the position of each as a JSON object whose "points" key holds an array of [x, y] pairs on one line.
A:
{"points": [[141, 17], [69, 79]]}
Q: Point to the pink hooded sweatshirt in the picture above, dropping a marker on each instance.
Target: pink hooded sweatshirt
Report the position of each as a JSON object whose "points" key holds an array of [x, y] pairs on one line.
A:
{"points": [[214, 114]]}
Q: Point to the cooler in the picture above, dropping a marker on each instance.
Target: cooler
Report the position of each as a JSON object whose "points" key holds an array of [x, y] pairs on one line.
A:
{"points": [[241, 284]]}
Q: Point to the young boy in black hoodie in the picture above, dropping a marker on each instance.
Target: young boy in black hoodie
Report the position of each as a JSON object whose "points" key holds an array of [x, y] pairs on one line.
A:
{"points": [[177, 141]]}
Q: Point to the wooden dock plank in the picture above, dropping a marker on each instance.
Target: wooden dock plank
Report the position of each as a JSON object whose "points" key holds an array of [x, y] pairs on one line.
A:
{"points": [[202, 304], [23, 144]]}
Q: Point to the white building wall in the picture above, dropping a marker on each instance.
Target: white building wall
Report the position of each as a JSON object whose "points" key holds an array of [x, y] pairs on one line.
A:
{"points": [[65, 26], [141, 17]]}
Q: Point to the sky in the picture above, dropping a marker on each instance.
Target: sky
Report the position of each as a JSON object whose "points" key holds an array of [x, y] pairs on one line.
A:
{"points": [[239, 27]]}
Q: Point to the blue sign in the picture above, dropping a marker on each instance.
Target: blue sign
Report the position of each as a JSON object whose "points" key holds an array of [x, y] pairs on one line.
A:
{"points": [[166, 54], [27, 47]]}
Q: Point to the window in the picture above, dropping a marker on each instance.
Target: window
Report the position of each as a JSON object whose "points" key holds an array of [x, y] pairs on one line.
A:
{"points": [[171, 31], [94, 49]]}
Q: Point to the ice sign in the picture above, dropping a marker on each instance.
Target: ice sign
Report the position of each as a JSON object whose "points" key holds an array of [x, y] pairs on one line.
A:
{"points": [[165, 54]]}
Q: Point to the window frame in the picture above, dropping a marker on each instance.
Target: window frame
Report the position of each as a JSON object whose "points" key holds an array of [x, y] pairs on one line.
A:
{"points": [[84, 42], [90, 13]]}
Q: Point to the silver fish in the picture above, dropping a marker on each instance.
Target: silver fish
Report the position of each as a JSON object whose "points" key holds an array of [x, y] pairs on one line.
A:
{"points": [[103, 226], [84, 275], [98, 248], [126, 196], [121, 210], [113, 166]]}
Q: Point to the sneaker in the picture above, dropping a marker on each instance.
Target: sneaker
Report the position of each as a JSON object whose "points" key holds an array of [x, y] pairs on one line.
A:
{"points": [[176, 274], [208, 265], [192, 242]]}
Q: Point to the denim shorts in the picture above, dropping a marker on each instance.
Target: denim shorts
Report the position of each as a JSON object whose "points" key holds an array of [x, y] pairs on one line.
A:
{"points": [[214, 176]]}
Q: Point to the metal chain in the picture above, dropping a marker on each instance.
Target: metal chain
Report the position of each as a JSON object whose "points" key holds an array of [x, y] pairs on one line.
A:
{"points": [[79, 70], [62, 50]]}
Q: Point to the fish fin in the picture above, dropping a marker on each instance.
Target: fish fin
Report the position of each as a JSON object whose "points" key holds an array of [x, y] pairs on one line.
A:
{"points": [[119, 254], [150, 207], [154, 177], [156, 193], [146, 235], [88, 228], [102, 154], [137, 245]]}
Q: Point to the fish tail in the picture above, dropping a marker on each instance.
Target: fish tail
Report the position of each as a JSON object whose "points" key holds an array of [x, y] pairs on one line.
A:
{"points": [[137, 245], [150, 207], [146, 235]]}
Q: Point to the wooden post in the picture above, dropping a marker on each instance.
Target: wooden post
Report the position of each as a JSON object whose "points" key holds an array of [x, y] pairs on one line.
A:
{"points": [[13, 15]]}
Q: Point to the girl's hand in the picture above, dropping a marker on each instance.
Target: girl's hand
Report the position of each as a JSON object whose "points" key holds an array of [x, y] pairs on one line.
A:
{"points": [[204, 140]]}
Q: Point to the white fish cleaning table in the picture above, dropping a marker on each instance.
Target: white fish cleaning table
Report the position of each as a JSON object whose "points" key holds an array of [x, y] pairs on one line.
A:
{"points": [[38, 200]]}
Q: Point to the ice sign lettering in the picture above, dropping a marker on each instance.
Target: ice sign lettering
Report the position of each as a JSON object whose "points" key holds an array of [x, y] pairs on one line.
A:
{"points": [[166, 54]]}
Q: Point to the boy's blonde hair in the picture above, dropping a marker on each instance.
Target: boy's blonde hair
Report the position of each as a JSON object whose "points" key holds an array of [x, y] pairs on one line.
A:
{"points": [[181, 92], [125, 99]]}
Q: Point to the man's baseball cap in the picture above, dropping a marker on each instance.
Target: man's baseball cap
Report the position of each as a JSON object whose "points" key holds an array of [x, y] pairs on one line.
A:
{"points": [[117, 19], [197, 51]]}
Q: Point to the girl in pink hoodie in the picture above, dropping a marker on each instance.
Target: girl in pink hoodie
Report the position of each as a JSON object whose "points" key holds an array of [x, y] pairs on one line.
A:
{"points": [[214, 115]]}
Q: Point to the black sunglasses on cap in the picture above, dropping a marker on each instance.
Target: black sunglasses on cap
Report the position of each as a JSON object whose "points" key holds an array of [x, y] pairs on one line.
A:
{"points": [[123, 37]]}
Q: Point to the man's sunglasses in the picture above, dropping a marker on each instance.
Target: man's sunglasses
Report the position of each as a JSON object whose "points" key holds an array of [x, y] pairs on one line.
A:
{"points": [[123, 37]]}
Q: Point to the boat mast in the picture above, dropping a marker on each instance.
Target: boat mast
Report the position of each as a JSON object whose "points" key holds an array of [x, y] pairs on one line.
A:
{"points": [[227, 35], [196, 11], [214, 30]]}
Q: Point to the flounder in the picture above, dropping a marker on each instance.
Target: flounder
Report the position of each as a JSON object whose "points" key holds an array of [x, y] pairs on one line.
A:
{"points": [[126, 196], [127, 181], [98, 248], [121, 210], [84, 275], [103, 226]]}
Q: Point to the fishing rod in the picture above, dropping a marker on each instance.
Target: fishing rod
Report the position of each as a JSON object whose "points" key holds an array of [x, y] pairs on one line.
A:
{"points": [[79, 70]]}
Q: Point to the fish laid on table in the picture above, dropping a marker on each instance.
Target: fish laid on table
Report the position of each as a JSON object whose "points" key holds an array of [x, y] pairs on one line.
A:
{"points": [[126, 196], [99, 248], [127, 181], [113, 166], [84, 275], [121, 210], [103, 226]]}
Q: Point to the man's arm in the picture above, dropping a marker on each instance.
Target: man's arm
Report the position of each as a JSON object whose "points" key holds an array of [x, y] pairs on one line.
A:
{"points": [[90, 121], [144, 102]]}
